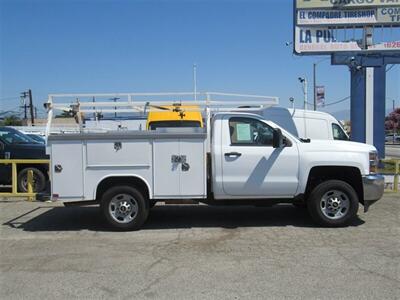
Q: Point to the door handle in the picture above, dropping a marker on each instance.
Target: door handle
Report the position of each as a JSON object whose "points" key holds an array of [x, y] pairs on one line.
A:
{"points": [[237, 154]]}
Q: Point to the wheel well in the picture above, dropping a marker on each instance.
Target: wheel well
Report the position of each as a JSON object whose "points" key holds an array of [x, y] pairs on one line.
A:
{"points": [[350, 175], [135, 182]]}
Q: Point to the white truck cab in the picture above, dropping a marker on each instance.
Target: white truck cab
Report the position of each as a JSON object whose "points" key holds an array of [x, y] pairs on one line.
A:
{"points": [[238, 159]]}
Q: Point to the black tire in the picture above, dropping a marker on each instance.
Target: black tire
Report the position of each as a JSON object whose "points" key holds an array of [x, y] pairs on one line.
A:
{"points": [[39, 180], [324, 212], [152, 203], [133, 199]]}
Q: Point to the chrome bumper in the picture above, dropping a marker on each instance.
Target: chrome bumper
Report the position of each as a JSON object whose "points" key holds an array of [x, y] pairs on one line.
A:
{"points": [[373, 186]]}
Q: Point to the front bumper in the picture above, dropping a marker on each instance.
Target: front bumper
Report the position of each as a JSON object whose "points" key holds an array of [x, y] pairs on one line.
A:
{"points": [[373, 186]]}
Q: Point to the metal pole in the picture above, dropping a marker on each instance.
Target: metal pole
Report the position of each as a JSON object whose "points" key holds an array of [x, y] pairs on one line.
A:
{"points": [[315, 85], [394, 124], [305, 93], [195, 81]]}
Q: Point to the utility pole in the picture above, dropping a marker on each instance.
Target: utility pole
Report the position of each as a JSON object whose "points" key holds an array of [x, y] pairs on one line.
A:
{"points": [[31, 107], [24, 95]]}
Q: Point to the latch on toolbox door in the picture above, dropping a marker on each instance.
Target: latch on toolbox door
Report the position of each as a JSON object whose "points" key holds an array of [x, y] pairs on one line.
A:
{"points": [[180, 159]]}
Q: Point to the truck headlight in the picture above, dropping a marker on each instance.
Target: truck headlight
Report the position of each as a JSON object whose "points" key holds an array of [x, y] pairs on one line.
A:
{"points": [[373, 162]]}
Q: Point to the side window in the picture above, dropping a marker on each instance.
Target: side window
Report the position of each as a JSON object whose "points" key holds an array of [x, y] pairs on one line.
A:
{"points": [[249, 132], [338, 133]]}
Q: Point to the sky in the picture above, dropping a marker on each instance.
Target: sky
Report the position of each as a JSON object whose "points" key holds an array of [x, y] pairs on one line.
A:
{"points": [[98, 46]]}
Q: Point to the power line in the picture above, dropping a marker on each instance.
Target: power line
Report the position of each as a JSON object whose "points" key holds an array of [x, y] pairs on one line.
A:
{"points": [[338, 101]]}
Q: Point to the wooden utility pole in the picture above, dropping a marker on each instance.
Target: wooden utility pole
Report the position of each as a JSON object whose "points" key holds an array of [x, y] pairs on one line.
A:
{"points": [[31, 107]]}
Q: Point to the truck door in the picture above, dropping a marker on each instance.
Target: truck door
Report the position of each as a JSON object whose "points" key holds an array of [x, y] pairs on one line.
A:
{"points": [[251, 166]]}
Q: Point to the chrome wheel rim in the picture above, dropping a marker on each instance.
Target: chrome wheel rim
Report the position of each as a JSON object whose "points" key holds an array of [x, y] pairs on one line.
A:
{"points": [[335, 204], [35, 184], [123, 208]]}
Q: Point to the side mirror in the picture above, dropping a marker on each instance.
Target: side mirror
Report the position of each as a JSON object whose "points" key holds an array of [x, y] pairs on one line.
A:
{"points": [[277, 139]]}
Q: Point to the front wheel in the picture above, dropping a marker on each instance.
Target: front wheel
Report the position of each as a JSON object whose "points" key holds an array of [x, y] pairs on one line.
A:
{"points": [[124, 207], [333, 203]]}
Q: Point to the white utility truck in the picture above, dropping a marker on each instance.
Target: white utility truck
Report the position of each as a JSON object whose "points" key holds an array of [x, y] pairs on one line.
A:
{"points": [[238, 158]]}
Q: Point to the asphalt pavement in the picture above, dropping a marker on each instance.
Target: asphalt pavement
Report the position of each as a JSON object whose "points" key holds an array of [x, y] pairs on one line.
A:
{"points": [[198, 252]]}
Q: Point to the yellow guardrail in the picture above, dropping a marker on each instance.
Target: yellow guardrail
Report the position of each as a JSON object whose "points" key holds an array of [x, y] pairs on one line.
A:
{"points": [[14, 175], [395, 173]]}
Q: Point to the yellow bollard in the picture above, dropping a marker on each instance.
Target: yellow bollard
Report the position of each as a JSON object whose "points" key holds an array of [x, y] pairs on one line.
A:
{"points": [[30, 185], [396, 176], [14, 178]]}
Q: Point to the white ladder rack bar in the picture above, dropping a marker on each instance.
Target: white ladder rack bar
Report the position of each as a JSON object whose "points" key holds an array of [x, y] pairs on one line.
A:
{"points": [[77, 105]]}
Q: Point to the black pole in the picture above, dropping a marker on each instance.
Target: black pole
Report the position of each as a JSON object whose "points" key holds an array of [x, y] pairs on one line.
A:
{"points": [[25, 112], [31, 108]]}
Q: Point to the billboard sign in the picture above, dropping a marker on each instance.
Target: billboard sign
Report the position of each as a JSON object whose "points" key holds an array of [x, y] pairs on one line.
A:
{"points": [[343, 4], [312, 39], [327, 26], [385, 15], [325, 40], [389, 15]]}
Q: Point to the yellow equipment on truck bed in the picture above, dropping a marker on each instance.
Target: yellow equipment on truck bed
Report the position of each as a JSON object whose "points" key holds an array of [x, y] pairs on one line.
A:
{"points": [[175, 115]]}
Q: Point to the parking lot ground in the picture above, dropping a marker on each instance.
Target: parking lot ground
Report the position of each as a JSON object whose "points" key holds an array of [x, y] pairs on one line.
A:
{"points": [[198, 252]]}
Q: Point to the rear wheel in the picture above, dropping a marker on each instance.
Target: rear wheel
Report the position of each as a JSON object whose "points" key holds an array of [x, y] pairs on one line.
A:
{"points": [[124, 207], [39, 180], [333, 203]]}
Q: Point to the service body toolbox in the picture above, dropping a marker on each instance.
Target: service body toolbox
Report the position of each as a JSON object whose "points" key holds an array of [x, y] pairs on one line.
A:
{"points": [[171, 161]]}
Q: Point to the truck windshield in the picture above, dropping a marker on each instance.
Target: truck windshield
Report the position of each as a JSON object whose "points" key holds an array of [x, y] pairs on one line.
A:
{"points": [[173, 124], [338, 133], [12, 136]]}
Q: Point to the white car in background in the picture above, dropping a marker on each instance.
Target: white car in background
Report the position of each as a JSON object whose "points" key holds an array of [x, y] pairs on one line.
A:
{"points": [[389, 138]]}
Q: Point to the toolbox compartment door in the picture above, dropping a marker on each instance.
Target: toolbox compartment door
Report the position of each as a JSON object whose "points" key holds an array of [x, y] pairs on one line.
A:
{"points": [[67, 169]]}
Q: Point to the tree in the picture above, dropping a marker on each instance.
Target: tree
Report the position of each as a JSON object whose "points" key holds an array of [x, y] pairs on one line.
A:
{"points": [[11, 121], [392, 121]]}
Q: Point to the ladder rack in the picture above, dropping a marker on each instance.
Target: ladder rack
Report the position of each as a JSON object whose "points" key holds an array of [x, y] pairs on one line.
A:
{"points": [[207, 103]]}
